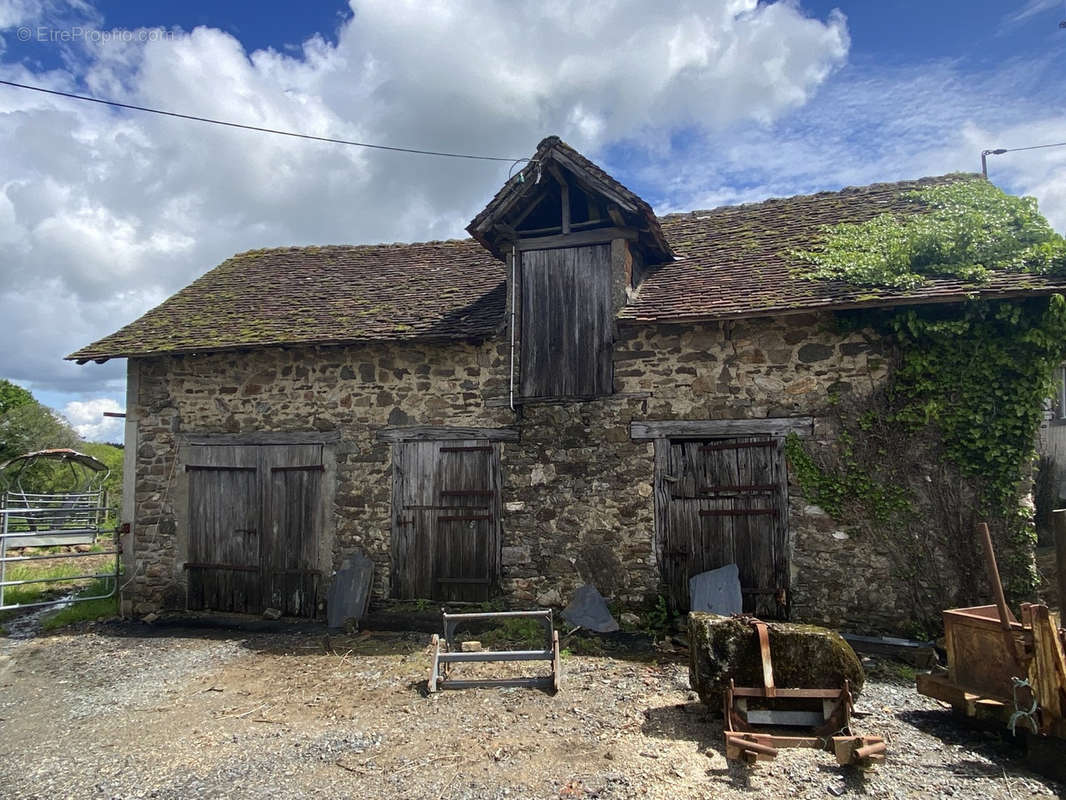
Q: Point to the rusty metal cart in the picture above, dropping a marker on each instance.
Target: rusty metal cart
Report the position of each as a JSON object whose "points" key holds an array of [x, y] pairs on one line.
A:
{"points": [[1007, 671], [761, 719]]}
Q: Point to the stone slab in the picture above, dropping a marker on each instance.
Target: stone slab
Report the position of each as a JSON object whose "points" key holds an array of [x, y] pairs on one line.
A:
{"points": [[716, 591], [589, 610], [349, 593]]}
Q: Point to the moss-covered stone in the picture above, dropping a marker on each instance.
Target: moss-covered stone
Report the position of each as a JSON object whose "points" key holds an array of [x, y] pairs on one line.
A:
{"points": [[804, 657]]}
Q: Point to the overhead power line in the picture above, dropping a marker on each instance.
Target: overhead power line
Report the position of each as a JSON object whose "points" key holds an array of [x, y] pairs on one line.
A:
{"points": [[1001, 150], [257, 128]]}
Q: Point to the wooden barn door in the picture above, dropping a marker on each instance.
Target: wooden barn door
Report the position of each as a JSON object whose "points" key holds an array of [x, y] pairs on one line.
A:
{"points": [[293, 517], [255, 524], [224, 524], [722, 502], [446, 520]]}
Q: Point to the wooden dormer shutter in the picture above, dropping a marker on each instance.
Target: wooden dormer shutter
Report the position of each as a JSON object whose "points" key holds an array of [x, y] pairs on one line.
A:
{"points": [[566, 322]]}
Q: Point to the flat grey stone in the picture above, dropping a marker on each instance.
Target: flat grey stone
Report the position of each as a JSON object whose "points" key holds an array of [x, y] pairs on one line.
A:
{"points": [[349, 593], [589, 610], [716, 591]]}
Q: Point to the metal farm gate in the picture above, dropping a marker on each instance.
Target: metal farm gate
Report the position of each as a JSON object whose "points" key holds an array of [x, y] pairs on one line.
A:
{"points": [[725, 501], [45, 537], [255, 522], [446, 519]]}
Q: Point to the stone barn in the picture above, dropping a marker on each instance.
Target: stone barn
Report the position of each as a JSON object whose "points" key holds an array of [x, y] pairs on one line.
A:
{"points": [[582, 392]]}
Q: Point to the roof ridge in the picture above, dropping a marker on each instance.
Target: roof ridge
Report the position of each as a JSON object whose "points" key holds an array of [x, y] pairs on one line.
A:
{"points": [[349, 246], [880, 186]]}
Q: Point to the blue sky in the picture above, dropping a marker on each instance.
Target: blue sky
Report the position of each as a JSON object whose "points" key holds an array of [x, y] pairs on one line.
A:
{"points": [[692, 103]]}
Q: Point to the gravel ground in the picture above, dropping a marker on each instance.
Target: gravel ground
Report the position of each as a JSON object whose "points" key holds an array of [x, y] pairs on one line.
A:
{"points": [[129, 711]]}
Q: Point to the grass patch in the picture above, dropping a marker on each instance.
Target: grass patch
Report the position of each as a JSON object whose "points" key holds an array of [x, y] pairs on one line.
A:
{"points": [[37, 570], [518, 632], [87, 610], [585, 646]]}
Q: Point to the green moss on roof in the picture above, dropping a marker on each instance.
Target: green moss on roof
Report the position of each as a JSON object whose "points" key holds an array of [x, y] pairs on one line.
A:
{"points": [[733, 263]]}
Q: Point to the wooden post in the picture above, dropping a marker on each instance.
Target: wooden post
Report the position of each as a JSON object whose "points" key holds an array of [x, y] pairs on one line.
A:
{"points": [[1058, 523], [1001, 601]]}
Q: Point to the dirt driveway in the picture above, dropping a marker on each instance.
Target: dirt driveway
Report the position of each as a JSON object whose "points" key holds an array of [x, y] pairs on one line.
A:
{"points": [[131, 711]]}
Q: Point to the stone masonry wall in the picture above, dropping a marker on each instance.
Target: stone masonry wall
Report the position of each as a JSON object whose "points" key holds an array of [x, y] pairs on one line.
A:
{"points": [[577, 491]]}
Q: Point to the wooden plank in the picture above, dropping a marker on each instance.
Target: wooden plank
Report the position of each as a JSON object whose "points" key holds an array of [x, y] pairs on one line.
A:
{"points": [[760, 534], [237, 567], [1047, 670], [207, 467], [576, 239], [1058, 520], [720, 428], [781, 549], [564, 192], [735, 512], [467, 449], [430, 433], [260, 438], [733, 444], [660, 507]]}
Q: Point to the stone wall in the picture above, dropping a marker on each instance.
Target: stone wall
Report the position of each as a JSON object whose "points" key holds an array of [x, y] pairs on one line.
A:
{"points": [[577, 491]]}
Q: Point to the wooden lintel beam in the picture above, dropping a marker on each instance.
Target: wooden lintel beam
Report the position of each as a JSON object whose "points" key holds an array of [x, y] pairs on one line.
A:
{"points": [[576, 238], [720, 428], [430, 433]]}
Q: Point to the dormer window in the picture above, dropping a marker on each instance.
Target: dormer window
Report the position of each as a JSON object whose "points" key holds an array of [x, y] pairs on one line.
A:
{"points": [[574, 238]]}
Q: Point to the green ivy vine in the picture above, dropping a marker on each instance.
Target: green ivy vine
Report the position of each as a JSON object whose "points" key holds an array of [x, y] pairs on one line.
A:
{"points": [[963, 229], [975, 372]]}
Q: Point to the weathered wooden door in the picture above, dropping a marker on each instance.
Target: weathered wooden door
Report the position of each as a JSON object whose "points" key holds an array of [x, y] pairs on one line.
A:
{"points": [[567, 322], [224, 524], [725, 501], [293, 515], [255, 523], [445, 520]]}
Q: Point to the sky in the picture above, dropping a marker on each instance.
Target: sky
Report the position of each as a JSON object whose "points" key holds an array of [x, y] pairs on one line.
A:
{"points": [[104, 213]]}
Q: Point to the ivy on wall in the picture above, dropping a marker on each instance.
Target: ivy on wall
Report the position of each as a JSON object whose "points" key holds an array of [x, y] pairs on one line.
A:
{"points": [[976, 373]]}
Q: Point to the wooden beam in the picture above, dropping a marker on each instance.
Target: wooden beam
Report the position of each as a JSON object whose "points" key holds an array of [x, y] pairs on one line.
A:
{"points": [[577, 238], [720, 428], [529, 209], [261, 437], [431, 433], [598, 186], [616, 216], [1058, 522], [564, 196], [564, 188]]}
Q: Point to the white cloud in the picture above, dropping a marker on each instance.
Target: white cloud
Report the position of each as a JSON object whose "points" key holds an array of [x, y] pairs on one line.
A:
{"points": [[89, 421], [103, 213], [885, 125], [1030, 10]]}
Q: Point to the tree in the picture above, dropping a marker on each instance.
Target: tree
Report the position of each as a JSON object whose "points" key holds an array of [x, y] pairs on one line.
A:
{"points": [[32, 426], [12, 396]]}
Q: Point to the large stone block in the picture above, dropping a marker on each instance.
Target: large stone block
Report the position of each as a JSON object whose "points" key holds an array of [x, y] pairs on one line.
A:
{"points": [[803, 656]]}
